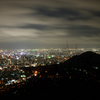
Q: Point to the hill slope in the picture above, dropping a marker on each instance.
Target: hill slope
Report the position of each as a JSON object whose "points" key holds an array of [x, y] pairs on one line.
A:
{"points": [[87, 59], [62, 87]]}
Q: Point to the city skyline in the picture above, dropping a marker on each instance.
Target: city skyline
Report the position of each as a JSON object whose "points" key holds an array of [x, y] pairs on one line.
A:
{"points": [[48, 24]]}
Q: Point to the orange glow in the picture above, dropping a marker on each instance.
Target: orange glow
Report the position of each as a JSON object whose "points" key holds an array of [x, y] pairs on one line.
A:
{"points": [[23, 78], [46, 71], [35, 72], [40, 76], [27, 71], [69, 77]]}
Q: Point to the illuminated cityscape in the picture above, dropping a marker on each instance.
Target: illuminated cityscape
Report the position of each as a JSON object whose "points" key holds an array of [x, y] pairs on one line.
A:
{"points": [[13, 61], [50, 49]]}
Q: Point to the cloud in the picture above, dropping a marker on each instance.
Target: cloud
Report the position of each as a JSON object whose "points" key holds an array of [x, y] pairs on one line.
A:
{"points": [[84, 31], [49, 22], [34, 26], [60, 12], [96, 13]]}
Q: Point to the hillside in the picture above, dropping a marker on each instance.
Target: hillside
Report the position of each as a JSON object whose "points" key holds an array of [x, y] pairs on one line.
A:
{"points": [[65, 80], [86, 62]]}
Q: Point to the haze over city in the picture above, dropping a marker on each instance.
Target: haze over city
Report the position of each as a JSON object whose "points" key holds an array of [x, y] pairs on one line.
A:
{"points": [[49, 23]]}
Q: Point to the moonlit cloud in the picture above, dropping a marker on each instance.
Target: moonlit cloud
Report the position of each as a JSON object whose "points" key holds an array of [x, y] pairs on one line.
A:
{"points": [[49, 23]]}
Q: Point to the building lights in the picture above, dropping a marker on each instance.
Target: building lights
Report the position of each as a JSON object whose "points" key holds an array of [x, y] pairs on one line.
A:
{"points": [[33, 58]]}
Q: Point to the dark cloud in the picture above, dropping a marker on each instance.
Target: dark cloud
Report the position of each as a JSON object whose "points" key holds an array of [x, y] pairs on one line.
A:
{"points": [[60, 12], [80, 17], [65, 13], [47, 23], [34, 26], [96, 13], [83, 31]]}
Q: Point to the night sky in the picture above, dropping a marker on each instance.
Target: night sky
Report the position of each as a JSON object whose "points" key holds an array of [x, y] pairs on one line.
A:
{"points": [[33, 24]]}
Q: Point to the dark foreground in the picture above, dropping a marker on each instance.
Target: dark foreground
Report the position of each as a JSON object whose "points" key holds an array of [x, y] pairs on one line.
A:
{"points": [[78, 78], [54, 88]]}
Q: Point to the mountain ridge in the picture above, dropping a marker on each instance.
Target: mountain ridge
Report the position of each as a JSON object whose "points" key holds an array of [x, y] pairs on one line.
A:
{"points": [[86, 61], [60, 84]]}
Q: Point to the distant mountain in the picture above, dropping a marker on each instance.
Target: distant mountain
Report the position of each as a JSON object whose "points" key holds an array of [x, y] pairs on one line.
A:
{"points": [[86, 60]]}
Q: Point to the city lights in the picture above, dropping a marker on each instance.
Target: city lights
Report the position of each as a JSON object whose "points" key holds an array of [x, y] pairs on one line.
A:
{"points": [[11, 62]]}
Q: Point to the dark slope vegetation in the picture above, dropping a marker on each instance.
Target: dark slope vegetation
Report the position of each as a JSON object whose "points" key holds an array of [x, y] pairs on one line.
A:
{"points": [[86, 60], [77, 78], [87, 63]]}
